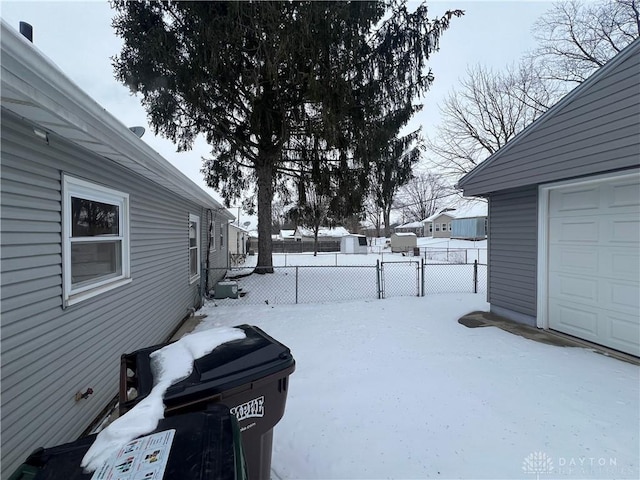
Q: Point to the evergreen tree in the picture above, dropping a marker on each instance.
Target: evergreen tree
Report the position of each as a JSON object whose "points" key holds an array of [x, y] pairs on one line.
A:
{"points": [[257, 77], [394, 170]]}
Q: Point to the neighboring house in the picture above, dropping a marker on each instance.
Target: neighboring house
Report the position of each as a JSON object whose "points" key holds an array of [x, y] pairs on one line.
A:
{"points": [[412, 227], [438, 225], [564, 209], [287, 235], [238, 239], [102, 245], [324, 234], [470, 222]]}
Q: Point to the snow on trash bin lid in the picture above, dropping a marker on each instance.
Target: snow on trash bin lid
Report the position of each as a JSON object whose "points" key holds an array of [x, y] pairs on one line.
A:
{"points": [[230, 365]]}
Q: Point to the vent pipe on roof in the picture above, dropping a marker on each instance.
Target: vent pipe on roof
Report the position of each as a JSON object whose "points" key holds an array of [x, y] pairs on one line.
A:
{"points": [[27, 31]]}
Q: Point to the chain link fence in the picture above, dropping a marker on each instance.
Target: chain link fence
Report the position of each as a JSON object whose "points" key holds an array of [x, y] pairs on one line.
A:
{"points": [[292, 284], [454, 278], [302, 284]]}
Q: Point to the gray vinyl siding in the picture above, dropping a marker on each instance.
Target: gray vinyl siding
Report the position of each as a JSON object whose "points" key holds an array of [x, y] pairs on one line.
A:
{"points": [[513, 250], [597, 130], [48, 352]]}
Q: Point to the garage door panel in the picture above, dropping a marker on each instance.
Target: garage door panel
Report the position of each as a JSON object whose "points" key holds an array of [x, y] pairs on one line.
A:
{"points": [[574, 288], [624, 230], [577, 199], [624, 265], [593, 270], [623, 297], [581, 229], [623, 194], [574, 259], [574, 319], [624, 333]]}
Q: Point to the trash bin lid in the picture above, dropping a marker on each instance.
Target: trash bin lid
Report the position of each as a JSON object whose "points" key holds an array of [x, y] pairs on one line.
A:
{"points": [[229, 365], [206, 445]]}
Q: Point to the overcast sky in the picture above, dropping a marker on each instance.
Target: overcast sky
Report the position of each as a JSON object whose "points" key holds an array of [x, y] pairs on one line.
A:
{"points": [[78, 37]]}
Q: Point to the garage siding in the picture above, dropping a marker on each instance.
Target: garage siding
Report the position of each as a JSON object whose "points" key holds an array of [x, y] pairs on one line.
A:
{"points": [[595, 129], [513, 250], [50, 352]]}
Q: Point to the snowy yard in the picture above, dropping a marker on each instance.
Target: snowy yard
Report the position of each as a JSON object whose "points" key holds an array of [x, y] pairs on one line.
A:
{"points": [[331, 277], [396, 388]]}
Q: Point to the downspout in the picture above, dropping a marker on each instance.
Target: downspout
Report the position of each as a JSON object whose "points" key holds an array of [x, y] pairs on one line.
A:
{"points": [[211, 225]]}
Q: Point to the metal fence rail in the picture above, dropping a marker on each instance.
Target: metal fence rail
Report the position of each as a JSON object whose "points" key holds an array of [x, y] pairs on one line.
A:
{"points": [[331, 283]]}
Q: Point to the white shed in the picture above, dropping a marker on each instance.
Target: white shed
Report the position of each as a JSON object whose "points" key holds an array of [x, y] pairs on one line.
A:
{"points": [[353, 244], [403, 242]]}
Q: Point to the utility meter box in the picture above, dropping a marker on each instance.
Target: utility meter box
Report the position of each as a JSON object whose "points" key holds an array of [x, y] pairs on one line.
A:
{"points": [[226, 290]]}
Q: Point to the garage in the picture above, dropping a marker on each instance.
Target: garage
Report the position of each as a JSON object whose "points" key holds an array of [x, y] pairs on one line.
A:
{"points": [[591, 284], [564, 213]]}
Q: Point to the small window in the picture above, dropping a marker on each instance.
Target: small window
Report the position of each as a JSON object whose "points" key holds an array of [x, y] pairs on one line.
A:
{"points": [[221, 237], [430, 227], [437, 227], [449, 225], [95, 240], [194, 247]]}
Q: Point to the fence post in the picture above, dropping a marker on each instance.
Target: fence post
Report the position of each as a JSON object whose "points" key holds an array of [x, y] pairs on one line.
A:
{"points": [[336, 259], [296, 285], [475, 276], [378, 277], [422, 273]]}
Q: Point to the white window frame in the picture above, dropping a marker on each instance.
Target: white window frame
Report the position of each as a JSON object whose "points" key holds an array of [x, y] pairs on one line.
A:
{"points": [[75, 187], [195, 219]]}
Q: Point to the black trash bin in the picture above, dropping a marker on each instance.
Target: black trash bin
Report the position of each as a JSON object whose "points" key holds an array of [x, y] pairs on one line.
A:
{"points": [[250, 376], [194, 446]]}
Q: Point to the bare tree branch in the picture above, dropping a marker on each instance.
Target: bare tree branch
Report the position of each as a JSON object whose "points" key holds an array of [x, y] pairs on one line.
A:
{"points": [[485, 112], [577, 37]]}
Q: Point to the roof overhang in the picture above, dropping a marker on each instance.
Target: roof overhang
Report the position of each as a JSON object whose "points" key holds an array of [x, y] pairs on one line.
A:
{"points": [[478, 191], [34, 88]]}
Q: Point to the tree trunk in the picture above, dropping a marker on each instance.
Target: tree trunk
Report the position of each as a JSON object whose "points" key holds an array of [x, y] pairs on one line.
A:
{"points": [[387, 222], [315, 242], [264, 174]]}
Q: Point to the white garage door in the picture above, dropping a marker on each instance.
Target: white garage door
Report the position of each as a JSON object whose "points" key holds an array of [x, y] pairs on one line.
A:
{"points": [[594, 262]]}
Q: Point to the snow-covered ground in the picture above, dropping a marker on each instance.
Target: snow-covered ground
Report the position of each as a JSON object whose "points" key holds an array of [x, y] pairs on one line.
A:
{"points": [[396, 388]]}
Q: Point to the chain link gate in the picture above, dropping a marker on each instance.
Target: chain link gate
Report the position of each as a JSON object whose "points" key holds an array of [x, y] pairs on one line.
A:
{"points": [[400, 279]]}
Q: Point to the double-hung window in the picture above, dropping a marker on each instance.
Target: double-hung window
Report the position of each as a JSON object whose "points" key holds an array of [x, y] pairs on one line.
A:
{"points": [[194, 247], [95, 239]]}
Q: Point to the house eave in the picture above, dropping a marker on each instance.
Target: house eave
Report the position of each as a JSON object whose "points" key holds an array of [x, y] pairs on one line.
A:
{"points": [[478, 190], [34, 88]]}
